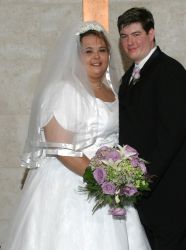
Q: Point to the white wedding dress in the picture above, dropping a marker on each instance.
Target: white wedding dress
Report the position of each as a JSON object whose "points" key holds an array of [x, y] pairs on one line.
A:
{"points": [[54, 215]]}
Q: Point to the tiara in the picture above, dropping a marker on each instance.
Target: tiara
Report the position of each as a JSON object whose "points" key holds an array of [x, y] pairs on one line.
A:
{"points": [[89, 26]]}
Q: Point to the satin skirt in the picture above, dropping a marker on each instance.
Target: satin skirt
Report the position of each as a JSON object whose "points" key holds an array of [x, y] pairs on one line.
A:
{"points": [[54, 215]]}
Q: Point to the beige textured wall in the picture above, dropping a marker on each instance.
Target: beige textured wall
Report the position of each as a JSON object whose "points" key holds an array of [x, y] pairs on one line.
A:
{"points": [[28, 29]]}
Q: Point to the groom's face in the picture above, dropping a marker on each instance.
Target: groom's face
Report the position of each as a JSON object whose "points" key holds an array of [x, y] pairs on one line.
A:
{"points": [[136, 42]]}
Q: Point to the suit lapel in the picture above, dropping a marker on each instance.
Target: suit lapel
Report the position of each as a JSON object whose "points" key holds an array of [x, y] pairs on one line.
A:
{"points": [[126, 89], [150, 61]]}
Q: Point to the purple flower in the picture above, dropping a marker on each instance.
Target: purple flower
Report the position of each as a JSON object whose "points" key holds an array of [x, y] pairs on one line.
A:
{"points": [[108, 188], [129, 190], [129, 151], [101, 152], [106, 153], [141, 164], [117, 212], [134, 161], [99, 175], [113, 155]]}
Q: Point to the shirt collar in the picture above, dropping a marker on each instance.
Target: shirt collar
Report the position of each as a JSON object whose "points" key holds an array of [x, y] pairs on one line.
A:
{"points": [[141, 64]]}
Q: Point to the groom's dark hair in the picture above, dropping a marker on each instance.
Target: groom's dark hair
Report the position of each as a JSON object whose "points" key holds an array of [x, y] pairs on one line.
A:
{"points": [[134, 15]]}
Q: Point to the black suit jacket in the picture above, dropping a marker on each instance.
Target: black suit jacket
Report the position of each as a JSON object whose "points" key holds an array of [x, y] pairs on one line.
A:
{"points": [[153, 120]]}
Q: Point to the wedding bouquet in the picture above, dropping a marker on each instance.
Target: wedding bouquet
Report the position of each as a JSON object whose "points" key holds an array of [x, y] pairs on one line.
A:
{"points": [[115, 177]]}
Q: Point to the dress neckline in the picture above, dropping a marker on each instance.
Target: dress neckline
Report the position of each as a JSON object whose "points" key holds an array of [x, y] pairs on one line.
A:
{"points": [[116, 98]]}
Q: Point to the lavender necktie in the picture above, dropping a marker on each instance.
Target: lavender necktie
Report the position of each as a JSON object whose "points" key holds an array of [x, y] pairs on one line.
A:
{"points": [[135, 75]]}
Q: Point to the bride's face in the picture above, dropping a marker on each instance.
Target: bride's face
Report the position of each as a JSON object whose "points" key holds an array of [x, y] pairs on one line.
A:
{"points": [[95, 55]]}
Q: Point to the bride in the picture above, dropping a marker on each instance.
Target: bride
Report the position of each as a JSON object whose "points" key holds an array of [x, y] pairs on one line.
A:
{"points": [[74, 112]]}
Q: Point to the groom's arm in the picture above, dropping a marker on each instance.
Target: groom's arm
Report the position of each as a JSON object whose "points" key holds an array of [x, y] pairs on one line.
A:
{"points": [[171, 130]]}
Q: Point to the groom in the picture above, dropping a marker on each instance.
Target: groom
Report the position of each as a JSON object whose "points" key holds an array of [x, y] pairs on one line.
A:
{"points": [[153, 120]]}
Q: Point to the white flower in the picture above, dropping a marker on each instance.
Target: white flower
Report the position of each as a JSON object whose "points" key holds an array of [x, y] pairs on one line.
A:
{"points": [[89, 26], [117, 199]]}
